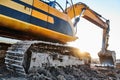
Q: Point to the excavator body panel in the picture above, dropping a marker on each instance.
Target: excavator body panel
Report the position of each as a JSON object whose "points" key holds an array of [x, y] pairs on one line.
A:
{"points": [[34, 20]]}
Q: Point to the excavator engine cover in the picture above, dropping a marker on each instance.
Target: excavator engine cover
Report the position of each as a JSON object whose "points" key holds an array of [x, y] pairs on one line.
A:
{"points": [[107, 58]]}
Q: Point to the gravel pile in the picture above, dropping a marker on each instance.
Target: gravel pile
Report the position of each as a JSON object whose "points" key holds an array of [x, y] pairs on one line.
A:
{"points": [[73, 73], [82, 72]]}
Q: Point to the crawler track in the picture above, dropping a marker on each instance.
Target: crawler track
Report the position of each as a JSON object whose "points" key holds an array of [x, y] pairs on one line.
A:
{"points": [[23, 56], [15, 57]]}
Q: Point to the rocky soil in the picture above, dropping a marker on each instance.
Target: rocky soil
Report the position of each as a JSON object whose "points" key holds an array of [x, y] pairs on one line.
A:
{"points": [[82, 72]]}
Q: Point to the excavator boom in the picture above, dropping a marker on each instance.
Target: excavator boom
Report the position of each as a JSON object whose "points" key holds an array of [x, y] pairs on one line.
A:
{"points": [[88, 14], [107, 57]]}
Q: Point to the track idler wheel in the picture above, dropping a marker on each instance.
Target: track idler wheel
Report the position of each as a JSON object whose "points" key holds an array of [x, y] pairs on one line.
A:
{"points": [[107, 58]]}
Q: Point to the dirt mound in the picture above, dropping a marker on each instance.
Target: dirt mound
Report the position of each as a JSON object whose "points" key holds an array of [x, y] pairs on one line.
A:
{"points": [[60, 73]]}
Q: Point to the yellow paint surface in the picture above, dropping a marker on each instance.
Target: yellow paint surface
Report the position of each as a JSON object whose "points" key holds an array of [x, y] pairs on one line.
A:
{"points": [[24, 27]]}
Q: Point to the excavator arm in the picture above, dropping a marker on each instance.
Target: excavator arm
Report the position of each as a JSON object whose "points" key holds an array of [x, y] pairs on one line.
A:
{"points": [[106, 57]]}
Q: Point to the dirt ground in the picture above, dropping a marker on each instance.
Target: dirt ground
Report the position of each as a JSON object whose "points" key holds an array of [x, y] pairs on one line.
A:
{"points": [[82, 72]]}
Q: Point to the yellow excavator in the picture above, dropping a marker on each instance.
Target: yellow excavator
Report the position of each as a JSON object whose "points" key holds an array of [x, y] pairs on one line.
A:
{"points": [[44, 31]]}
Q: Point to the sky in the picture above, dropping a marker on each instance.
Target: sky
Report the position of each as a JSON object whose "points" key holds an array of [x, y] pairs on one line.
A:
{"points": [[90, 35]]}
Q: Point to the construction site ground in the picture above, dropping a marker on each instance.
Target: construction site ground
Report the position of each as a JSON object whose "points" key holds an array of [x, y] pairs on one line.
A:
{"points": [[82, 72]]}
